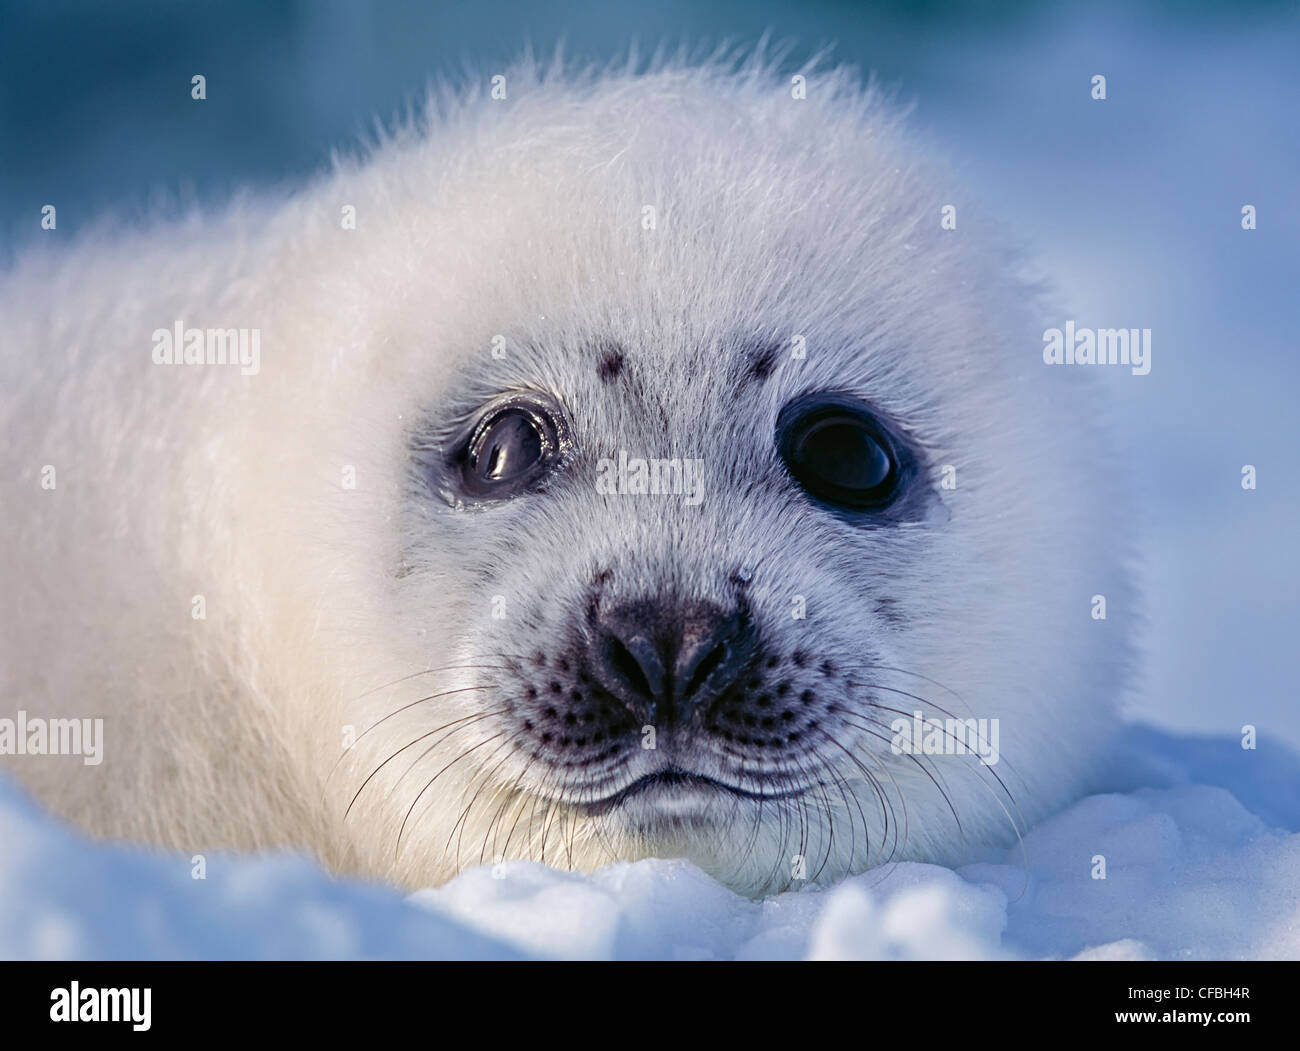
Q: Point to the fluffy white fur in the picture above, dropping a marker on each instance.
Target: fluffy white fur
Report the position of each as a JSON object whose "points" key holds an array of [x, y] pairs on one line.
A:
{"points": [[327, 606]]}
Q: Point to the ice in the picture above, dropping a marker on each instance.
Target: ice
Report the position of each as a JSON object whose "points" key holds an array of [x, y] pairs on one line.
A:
{"points": [[1191, 870]]}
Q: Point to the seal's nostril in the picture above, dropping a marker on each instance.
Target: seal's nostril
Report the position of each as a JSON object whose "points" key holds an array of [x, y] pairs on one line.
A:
{"points": [[704, 669], [629, 670], [666, 661]]}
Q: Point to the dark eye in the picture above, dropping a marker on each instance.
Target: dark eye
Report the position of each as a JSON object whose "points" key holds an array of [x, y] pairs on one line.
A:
{"points": [[838, 452], [513, 446]]}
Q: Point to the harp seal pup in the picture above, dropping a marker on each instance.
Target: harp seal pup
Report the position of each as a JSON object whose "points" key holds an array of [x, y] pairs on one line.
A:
{"points": [[622, 482]]}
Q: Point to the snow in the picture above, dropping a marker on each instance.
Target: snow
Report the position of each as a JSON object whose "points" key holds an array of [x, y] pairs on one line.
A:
{"points": [[1202, 860]]}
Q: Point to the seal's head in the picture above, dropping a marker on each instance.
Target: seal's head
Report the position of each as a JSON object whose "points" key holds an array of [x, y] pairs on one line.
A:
{"points": [[702, 458]]}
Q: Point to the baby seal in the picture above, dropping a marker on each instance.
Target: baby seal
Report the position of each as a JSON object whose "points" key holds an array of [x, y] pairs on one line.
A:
{"points": [[608, 465]]}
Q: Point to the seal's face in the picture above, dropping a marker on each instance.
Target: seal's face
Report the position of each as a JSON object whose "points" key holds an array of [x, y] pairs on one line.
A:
{"points": [[662, 662], [662, 683], [697, 515], [692, 606]]}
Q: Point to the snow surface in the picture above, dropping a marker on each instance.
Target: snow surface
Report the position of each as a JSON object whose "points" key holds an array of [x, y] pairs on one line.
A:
{"points": [[1202, 849]]}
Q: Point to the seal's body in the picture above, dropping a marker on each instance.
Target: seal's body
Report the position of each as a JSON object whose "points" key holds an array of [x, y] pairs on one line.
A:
{"points": [[421, 586]]}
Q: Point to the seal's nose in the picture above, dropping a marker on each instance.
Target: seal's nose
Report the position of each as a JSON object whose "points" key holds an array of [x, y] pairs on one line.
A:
{"points": [[667, 662]]}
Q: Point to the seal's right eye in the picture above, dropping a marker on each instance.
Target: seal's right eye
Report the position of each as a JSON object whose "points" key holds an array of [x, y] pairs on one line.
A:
{"points": [[511, 448]]}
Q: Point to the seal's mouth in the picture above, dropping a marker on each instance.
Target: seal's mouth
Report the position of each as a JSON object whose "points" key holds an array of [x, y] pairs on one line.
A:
{"points": [[674, 784]]}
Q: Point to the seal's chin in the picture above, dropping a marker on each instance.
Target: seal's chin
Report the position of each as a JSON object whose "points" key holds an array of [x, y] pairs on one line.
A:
{"points": [[673, 792]]}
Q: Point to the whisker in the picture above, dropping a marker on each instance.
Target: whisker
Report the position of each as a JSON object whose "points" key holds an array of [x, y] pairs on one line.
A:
{"points": [[954, 738], [427, 671], [479, 781], [422, 700], [466, 719], [435, 777]]}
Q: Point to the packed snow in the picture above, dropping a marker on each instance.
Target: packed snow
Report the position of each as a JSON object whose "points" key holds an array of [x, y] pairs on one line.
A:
{"points": [[1201, 849]]}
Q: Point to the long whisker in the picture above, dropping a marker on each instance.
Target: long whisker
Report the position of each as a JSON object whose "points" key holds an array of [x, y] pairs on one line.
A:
{"points": [[422, 700], [479, 782], [939, 708], [920, 766], [953, 737], [434, 778], [464, 719], [427, 671]]}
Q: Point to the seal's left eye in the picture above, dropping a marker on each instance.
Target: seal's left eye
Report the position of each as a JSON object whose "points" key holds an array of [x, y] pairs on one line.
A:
{"points": [[510, 448], [839, 453]]}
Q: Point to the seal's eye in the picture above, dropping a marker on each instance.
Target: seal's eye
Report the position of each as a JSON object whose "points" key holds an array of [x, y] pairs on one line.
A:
{"points": [[838, 452], [511, 447]]}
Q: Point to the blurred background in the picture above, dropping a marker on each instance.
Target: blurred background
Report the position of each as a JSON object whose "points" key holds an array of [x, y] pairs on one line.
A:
{"points": [[1132, 205]]}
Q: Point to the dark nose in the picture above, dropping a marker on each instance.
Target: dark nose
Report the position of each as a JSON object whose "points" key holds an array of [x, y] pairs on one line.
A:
{"points": [[667, 661]]}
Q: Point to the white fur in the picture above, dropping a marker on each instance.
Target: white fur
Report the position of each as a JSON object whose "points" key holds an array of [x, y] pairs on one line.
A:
{"points": [[775, 217]]}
